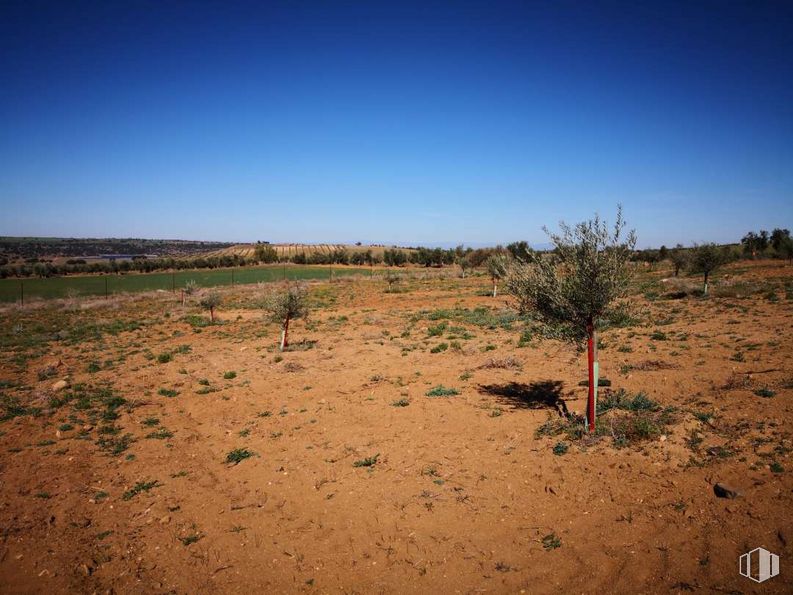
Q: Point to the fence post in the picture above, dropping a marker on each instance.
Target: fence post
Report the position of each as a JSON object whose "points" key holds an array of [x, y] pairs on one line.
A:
{"points": [[173, 282], [105, 286], [22, 291], [232, 277]]}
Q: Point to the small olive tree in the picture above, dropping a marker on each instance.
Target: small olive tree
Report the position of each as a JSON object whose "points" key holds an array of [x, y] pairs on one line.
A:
{"points": [[392, 279], [496, 265], [287, 304], [574, 288], [209, 302], [464, 262], [705, 259], [679, 258], [190, 288]]}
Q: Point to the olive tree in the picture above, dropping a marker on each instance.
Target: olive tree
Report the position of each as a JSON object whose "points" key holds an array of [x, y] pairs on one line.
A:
{"points": [[574, 288], [679, 258], [392, 279], [496, 265], [705, 259], [464, 262], [190, 288], [209, 302], [284, 305]]}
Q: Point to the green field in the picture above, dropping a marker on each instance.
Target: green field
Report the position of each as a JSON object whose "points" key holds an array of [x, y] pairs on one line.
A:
{"points": [[11, 290]]}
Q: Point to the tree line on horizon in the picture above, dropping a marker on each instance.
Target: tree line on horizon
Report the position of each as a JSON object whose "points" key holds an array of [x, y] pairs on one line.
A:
{"points": [[762, 244]]}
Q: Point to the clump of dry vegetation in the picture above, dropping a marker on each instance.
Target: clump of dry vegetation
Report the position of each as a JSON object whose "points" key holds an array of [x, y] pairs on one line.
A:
{"points": [[505, 363]]}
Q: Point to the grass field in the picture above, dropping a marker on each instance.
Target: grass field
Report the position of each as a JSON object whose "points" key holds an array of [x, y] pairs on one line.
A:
{"points": [[11, 290]]}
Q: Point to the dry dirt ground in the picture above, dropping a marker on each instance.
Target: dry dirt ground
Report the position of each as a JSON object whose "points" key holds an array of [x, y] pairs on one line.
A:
{"points": [[134, 478]]}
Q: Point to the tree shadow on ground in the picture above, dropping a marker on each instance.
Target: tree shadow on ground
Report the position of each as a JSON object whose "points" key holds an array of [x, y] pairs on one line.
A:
{"points": [[537, 395]]}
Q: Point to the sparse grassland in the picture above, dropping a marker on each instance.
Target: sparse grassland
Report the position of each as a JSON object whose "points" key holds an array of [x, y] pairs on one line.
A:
{"points": [[146, 449]]}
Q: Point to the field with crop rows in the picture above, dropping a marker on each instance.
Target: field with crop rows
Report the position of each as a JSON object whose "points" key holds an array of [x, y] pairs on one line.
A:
{"points": [[288, 251]]}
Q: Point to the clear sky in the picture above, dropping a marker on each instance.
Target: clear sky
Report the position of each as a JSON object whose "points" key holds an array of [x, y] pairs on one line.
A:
{"points": [[395, 122]]}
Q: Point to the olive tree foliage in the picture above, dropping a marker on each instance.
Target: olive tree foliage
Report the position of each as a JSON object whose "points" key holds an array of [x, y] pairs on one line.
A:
{"points": [[284, 305], [210, 301], [520, 250], [496, 266], [576, 285], [705, 259]]}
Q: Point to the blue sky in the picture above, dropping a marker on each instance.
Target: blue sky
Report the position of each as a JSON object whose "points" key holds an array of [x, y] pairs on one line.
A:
{"points": [[412, 123]]}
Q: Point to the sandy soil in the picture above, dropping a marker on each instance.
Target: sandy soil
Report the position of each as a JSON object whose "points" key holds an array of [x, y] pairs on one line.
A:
{"points": [[463, 495]]}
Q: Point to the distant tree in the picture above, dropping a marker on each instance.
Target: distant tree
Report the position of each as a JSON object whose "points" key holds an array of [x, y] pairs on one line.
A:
{"points": [[265, 253], [648, 256], [778, 237], [663, 253], [394, 258], [464, 263], [478, 257], [679, 258], [209, 302], [340, 256], [496, 266], [575, 288], [520, 250], [285, 305], [750, 242], [786, 248], [705, 259], [764, 240], [754, 244]]}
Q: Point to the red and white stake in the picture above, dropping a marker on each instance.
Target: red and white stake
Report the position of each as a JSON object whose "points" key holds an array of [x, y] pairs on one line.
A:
{"points": [[284, 332], [592, 361]]}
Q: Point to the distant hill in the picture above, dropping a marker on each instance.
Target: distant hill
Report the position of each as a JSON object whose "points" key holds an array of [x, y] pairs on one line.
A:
{"points": [[25, 248]]}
